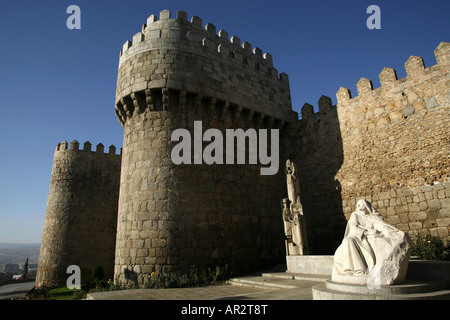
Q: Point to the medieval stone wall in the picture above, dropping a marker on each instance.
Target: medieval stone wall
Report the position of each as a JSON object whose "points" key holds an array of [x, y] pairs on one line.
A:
{"points": [[186, 57], [81, 218], [172, 217], [390, 145]]}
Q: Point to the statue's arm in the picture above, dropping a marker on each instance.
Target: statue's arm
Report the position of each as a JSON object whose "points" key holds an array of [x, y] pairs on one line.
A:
{"points": [[355, 229]]}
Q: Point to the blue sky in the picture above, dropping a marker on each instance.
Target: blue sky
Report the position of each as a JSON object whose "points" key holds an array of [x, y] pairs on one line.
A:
{"points": [[58, 84]]}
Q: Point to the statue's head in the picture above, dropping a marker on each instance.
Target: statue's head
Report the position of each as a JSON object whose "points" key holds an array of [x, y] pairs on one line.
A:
{"points": [[289, 166], [363, 206]]}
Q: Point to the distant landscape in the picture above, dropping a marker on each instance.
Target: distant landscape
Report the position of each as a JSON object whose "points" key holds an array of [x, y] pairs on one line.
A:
{"points": [[18, 253]]}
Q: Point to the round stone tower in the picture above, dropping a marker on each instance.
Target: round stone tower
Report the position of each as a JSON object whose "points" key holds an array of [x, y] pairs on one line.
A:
{"points": [[81, 218], [177, 74]]}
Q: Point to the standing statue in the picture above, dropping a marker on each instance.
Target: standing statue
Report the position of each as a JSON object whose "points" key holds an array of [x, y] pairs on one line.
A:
{"points": [[294, 222], [372, 251], [293, 185], [287, 217]]}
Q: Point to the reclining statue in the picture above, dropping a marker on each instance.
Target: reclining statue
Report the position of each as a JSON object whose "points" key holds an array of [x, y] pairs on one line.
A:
{"points": [[372, 252]]}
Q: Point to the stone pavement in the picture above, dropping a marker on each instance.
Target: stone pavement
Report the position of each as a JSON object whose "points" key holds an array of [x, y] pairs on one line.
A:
{"points": [[268, 286], [426, 280]]}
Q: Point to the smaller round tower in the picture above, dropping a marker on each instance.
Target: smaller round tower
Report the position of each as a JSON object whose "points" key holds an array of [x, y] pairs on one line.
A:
{"points": [[81, 217]]}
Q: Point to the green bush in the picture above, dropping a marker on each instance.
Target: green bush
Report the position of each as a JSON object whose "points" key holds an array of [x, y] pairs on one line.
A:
{"points": [[98, 277], [97, 274], [193, 278], [430, 248]]}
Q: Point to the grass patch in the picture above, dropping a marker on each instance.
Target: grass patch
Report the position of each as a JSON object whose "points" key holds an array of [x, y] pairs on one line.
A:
{"points": [[65, 294], [62, 293]]}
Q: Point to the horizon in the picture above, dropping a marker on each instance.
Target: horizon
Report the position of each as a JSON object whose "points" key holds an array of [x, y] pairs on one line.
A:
{"points": [[18, 243], [59, 84]]}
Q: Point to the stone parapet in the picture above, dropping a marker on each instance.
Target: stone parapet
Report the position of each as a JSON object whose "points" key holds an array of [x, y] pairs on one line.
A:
{"points": [[175, 55]]}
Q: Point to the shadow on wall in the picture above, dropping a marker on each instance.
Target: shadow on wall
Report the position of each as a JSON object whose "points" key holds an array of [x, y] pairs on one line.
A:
{"points": [[318, 154], [131, 275]]}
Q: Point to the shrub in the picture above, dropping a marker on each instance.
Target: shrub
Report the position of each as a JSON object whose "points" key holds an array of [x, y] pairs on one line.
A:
{"points": [[430, 248], [97, 274], [193, 278]]}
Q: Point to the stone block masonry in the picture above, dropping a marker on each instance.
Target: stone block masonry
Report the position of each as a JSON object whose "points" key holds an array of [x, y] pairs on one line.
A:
{"points": [[172, 217], [186, 58], [81, 218], [389, 145]]}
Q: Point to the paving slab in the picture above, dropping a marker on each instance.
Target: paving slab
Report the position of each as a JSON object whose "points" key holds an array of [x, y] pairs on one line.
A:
{"points": [[302, 291]]}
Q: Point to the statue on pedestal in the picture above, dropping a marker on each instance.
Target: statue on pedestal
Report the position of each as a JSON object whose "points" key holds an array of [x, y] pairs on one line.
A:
{"points": [[372, 252], [294, 222], [293, 185]]}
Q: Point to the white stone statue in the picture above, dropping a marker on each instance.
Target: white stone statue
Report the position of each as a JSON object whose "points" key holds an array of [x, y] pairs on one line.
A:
{"points": [[372, 252], [293, 185], [294, 222]]}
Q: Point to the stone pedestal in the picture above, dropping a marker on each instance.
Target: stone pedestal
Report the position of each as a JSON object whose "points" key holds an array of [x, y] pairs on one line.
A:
{"points": [[317, 265], [424, 280]]}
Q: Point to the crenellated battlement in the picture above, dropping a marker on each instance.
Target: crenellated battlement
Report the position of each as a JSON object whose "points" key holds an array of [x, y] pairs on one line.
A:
{"points": [[395, 99], [87, 146], [415, 69], [173, 60], [180, 29]]}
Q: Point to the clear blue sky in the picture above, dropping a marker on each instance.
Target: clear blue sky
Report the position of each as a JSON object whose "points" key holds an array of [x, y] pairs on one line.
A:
{"points": [[58, 84]]}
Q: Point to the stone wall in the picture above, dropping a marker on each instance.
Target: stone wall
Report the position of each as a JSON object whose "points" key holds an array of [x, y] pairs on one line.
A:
{"points": [[389, 145], [172, 217], [81, 218]]}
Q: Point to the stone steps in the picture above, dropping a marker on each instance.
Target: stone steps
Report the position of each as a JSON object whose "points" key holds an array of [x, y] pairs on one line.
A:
{"points": [[426, 280], [297, 276], [277, 278], [329, 290], [409, 291], [263, 283]]}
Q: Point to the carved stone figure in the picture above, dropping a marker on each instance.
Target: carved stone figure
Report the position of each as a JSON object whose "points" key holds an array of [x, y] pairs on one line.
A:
{"points": [[293, 185], [287, 217], [294, 222], [372, 252]]}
